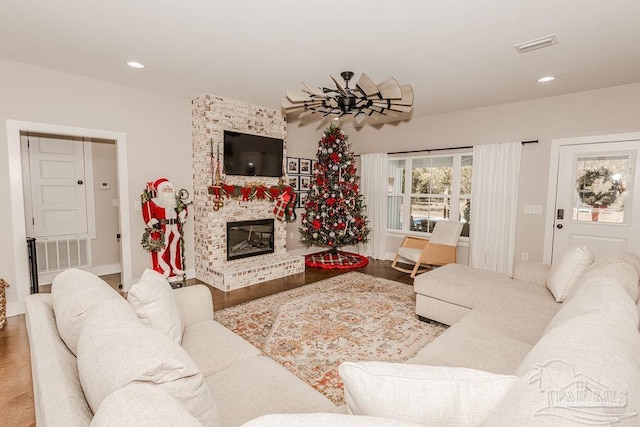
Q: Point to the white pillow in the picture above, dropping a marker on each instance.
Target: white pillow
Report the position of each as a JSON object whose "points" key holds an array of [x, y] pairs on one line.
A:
{"points": [[142, 404], [74, 293], [423, 394], [324, 419], [566, 273], [115, 349], [153, 301]]}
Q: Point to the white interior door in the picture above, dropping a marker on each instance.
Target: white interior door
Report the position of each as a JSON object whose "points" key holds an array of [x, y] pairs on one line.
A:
{"points": [[595, 204], [58, 186]]}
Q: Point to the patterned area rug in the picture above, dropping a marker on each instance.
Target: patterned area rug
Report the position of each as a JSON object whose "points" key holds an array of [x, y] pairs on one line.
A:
{"points": [[311, 330]]}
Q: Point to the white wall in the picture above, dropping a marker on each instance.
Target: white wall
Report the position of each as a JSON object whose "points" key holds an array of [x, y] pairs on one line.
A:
{"points": [[604, 111], [105, 249], [157, 128]]}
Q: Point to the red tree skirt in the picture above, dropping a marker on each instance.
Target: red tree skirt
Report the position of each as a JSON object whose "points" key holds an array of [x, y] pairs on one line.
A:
{"points": [[335, 260]]}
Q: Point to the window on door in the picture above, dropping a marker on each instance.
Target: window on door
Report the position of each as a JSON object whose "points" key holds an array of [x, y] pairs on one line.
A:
{"points": [[602, 186], [427, 189]]}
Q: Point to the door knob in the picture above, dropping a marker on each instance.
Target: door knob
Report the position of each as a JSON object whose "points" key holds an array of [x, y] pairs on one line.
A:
{"points": [[559, 226], [80, 182]]}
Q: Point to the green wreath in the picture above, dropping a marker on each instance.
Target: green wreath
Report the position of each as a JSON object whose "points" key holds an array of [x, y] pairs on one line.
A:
{"points": [[593, 189], [150, 243]]}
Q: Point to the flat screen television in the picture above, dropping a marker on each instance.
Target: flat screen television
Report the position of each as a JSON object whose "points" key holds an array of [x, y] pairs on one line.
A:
{"points": [[252, 155]]}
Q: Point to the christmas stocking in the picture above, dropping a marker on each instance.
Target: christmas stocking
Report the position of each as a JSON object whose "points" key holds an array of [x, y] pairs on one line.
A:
{"points": [[281, 206], [291, 209]]}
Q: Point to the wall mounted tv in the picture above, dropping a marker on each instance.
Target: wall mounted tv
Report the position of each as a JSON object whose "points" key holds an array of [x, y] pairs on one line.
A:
{"points": [[252, 155]]}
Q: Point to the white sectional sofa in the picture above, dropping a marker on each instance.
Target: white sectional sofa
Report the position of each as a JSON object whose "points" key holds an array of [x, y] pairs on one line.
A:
{"points": [[550, 347], [100, 360], [557, 346]]}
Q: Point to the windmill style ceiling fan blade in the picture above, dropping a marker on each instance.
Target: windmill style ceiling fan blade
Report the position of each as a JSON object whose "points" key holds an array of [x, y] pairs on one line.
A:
{"points": [[298, 96], [365, 100], [342, 90], [407, 96], [390, 89], [316, 91], [288, 105], [367, 86]]}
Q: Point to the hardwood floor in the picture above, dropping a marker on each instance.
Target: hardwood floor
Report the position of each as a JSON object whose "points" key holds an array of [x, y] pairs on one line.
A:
{"points": [[16, 393]]}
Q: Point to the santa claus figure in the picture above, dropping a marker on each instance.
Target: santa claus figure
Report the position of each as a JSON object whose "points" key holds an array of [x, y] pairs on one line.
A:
{"points": [[164, 218]]}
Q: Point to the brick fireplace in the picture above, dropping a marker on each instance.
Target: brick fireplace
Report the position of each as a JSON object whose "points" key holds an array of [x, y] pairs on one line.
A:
{"points": [[211, 116]]}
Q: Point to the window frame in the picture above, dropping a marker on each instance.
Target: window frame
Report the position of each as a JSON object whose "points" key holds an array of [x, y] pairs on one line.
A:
{"points": [[454, 197]]}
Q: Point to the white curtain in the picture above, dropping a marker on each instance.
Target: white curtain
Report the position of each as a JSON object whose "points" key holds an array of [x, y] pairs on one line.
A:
{"points": [[374, 179], [494, 206]]}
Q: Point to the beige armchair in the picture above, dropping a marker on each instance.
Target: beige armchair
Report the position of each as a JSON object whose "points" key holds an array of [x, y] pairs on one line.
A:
{"points": [[440, 249]]}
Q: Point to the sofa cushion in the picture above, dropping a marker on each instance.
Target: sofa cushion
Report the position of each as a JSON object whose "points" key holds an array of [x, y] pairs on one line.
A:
{"points": [[74, 293], [633, 260], [469, 345], [428, 395], [153, 302], [115, 349], [142, 404], [522, 322], [469, 287], [595, 352], [617, 271], [565, 273], [258, 386], [213, 347], [598, 294]]}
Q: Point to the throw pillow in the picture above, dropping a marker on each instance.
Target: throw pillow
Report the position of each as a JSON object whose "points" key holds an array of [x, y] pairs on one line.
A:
{"points": [[115, 349], [74, 293], [142, 404], [566, 273], [324, 419], [153, 301], [423, 394]]}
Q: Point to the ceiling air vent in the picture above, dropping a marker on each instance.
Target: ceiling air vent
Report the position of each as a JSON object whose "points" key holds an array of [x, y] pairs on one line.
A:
{"points": [[536, 44]]}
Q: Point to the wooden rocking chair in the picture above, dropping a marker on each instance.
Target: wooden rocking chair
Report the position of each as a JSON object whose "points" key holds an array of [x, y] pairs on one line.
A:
{"points": [[440, 249]]}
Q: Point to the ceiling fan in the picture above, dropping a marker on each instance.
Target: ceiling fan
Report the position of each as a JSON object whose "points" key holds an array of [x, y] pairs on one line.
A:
{"points": [[366, 99]]}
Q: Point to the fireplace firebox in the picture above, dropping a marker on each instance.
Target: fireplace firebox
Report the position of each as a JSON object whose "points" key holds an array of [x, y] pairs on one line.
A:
{"points": [[249, 238]]}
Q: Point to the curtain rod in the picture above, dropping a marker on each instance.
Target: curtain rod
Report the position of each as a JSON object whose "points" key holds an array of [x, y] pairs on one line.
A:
{"points": [[534, 141]]}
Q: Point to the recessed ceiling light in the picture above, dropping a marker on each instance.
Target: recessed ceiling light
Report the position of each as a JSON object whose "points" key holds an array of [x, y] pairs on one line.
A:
{"points": [[134, 64], [546, 79]]}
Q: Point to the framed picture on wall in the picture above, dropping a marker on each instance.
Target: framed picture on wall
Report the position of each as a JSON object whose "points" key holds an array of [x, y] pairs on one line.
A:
{"points": [[301, 198], [294, 182], [305, 166], [305, 182], [293, 165], [313, 165]]}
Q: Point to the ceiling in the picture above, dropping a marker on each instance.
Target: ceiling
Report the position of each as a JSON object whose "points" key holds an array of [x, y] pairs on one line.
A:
{"points": [[457, 54]]}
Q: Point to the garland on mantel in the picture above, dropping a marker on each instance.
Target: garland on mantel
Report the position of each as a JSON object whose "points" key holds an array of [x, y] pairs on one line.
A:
{"points": [[283, 195]]}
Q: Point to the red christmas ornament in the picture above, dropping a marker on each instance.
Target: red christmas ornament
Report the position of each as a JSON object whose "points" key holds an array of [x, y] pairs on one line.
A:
{"points": [[316, 224]]}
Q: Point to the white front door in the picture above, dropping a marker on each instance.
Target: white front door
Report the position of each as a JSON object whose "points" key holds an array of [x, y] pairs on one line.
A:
{"points": [[595, 204], [58, 188]]}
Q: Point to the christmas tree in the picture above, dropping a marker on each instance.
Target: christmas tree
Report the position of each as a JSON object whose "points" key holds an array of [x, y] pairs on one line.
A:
{"points": [[334, 214]]}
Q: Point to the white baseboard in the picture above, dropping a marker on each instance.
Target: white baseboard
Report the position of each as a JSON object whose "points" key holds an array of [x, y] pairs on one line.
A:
{"points": [[98, 270], [14, 308]]}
